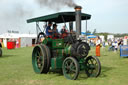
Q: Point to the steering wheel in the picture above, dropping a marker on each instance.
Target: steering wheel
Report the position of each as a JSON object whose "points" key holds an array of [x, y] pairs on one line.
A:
{"points": [[39, 37]]}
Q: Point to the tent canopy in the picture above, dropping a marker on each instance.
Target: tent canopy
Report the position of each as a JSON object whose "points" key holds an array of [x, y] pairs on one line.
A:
{"points": [[91, 37], [60, 17], [84, 33]]}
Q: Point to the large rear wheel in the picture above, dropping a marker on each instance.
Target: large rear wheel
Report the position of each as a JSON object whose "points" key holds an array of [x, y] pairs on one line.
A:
{"points": [[70, 68], [48, 55], [39, 59], [93, 66]]}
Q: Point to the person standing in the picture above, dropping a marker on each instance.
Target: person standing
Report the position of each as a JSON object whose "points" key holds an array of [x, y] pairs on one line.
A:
{"points": [[98, 42], [48, 29], [55, 32], [64, 32]]}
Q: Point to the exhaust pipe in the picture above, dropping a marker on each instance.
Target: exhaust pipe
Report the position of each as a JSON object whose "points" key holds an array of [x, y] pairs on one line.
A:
{"points": [[78, 21]]}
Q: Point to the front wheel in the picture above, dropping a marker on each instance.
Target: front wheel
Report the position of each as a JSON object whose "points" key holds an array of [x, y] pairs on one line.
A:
{"points": [[70, 68], [93, 66]]}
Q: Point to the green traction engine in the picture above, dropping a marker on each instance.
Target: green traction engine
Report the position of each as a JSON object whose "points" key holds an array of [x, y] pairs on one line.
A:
{"points": [[68, 54]]}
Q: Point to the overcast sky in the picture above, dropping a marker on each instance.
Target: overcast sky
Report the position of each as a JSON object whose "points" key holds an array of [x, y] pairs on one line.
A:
{"points": [[107, 15]]}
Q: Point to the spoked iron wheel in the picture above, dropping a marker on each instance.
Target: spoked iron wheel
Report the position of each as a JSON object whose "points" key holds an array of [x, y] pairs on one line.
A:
{"points": [[70, 68], [39, 59], [0, 52], [93, 66]]}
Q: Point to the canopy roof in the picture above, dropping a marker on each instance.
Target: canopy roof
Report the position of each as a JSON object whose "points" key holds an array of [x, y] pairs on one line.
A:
{"points": [[15, 35], [60, 17]]}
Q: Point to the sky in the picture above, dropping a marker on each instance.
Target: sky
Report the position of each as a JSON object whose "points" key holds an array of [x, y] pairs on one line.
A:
{"points": [[107, 15]]}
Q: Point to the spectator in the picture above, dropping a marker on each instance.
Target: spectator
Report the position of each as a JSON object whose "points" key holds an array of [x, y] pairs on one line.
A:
{"points": [[98, 42]]}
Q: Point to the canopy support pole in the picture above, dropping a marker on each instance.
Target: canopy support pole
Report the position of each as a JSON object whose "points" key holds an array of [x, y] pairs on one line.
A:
{"points": [[64, 22], [86, 29], [37, 28]]}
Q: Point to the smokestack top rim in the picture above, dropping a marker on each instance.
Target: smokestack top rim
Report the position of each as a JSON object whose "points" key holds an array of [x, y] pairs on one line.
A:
{"points": [[77, 7]]}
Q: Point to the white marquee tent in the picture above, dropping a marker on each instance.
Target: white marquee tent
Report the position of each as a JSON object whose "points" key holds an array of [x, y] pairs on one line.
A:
{"points": [[25, 39]]}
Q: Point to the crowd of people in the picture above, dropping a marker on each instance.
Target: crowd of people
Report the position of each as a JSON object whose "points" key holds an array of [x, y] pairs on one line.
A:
{"points": [[113, 44], [54, 31]]}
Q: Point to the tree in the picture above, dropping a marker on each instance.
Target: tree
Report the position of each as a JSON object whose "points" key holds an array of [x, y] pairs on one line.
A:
{"points": [[88, 31], [104, 34], [94, 32]]}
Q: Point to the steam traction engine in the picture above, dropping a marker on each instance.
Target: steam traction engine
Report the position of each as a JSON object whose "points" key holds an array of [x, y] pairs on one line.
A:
{"points": [[69, 53]]}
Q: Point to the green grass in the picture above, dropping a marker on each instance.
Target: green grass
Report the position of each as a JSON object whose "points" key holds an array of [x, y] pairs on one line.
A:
{"points": [[16, 69]]}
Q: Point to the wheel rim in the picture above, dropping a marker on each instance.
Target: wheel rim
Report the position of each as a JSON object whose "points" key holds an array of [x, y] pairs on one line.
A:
{"points": [[70, 68], [93, 66], [37, 59]]}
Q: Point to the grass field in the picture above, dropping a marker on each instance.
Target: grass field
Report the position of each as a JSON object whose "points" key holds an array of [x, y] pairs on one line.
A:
{"points": [[16, 69]]}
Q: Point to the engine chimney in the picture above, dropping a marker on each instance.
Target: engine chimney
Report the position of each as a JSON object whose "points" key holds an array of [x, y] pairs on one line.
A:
{"points": [[78, 20]]}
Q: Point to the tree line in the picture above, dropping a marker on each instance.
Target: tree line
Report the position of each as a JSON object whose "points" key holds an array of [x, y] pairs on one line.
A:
{"points": [[106, 33]]}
